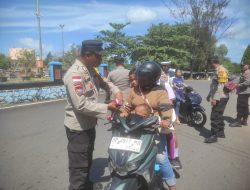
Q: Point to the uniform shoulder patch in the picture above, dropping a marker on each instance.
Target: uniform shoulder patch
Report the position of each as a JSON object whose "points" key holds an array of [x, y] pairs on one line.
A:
{"points": [[78, 85]]}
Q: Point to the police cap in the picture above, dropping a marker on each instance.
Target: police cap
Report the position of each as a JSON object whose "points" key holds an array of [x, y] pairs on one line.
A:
{"points": [[165, 63], [118, 59], [214, 59], [93, 46]]}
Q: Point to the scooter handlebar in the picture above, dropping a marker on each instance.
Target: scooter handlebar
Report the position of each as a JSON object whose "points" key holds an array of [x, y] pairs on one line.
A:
{"points": [[145, 122]]}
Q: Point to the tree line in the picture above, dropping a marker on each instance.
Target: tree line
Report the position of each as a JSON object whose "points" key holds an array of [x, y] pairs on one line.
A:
{"points": [[188, 43]]}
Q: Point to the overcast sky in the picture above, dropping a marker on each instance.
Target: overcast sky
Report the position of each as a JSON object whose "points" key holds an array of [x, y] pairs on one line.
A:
{"points": [[83, 19]]}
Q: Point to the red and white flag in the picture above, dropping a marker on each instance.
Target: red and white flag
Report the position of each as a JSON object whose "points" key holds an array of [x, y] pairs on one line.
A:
{"points": [[76, 78]]}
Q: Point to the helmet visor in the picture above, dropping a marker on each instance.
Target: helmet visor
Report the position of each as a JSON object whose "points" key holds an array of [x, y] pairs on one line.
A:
{"points": [[145, 83]]}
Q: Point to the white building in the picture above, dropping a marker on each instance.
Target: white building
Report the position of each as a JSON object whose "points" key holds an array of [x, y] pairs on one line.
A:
{"points": [[15, 53]]}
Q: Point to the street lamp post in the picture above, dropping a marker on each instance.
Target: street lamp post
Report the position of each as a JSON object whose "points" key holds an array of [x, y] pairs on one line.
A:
{"points": [[39, 31], [61, 26]]}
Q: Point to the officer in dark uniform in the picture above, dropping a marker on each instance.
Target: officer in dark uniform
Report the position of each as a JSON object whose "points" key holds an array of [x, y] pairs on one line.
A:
{"points": [[82, 83], [243, 95], [219, 98]]}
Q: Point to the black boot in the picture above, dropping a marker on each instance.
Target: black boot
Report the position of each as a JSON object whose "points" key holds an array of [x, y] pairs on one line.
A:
{"points": [[211, 139], [220, 134], [244, 122], [235, 124]]}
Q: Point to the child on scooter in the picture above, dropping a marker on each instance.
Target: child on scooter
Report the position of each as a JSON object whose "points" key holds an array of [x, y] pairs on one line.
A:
{"points": [[143, 110], [170, 132], [146, 91]]}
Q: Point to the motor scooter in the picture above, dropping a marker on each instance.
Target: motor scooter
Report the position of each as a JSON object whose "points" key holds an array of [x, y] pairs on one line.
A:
{"points": [[132, 154], [191, 111]]}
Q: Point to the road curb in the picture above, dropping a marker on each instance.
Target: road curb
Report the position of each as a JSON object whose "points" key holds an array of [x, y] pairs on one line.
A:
{"points": [[30, 104]]}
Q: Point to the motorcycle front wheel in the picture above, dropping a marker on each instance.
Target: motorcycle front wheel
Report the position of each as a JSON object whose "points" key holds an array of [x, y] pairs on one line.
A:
{"points": [[198, 118]]}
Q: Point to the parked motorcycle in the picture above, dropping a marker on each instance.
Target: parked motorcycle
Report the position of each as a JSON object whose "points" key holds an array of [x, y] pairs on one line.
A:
{"points": [[191, 111], [132, 154]]}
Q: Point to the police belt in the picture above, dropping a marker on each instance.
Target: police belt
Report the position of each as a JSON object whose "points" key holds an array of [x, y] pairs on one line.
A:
{"points": [[78, 131], [73, 131]]}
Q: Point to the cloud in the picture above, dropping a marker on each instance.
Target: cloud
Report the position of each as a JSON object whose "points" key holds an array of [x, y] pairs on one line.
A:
{"points": [[241, 8], [235, 48], [240, 30], [29, 43], [89, 17], [141, 14], [34, 44], [73, 16], [237, 37], [78, 16]]}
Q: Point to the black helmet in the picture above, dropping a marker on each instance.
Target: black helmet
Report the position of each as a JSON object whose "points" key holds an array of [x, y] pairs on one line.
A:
{"points": [[148, 73], [214, 59]]}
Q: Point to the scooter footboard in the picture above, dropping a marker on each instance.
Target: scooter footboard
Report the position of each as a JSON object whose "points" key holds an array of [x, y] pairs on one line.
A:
{"points": [[123, 184]]}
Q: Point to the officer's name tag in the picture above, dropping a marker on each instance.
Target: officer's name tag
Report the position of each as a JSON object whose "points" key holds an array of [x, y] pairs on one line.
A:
{"points": [[120, 143]]}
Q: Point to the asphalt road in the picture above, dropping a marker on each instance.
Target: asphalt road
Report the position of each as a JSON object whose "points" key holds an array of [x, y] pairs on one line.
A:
{"points": [[33, 150]]}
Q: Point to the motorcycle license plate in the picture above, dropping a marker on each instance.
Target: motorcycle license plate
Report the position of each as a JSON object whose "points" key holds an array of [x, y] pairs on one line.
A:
{"points": [[120, 143]]}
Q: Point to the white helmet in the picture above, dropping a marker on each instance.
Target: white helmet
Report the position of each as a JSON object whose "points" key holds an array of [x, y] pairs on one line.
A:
{"points": [[165, 63]]}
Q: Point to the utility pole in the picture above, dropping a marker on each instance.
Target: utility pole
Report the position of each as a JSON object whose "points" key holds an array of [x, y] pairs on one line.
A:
{"points": [[39, 30], [61, 26]]}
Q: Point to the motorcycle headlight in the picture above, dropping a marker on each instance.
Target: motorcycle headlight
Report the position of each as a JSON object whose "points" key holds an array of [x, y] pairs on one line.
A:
{"points": [[122, 171], [133, 165]]}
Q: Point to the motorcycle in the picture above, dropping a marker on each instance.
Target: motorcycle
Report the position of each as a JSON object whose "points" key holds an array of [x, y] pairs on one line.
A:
{"points": [[132, 154], [191, 112]]}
